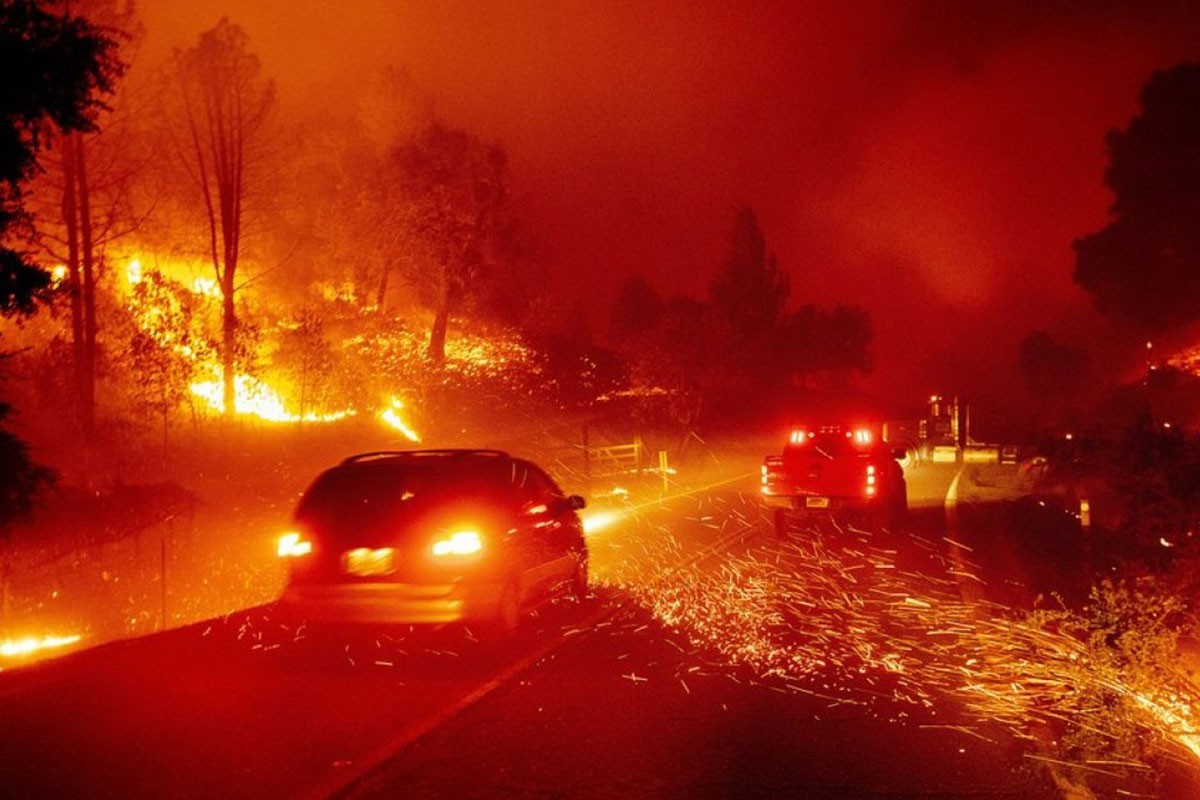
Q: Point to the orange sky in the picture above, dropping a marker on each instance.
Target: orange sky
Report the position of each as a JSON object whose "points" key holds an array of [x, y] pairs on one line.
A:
{"points": [[931, 161]]}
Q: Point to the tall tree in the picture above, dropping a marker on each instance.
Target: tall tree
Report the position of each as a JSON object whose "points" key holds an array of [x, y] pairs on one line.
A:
{"points": [[1144, 266], [224, 103], [814, 341], [55, 69], [677, 366], [455, 210], [749, 294], [88, 180], [162, 346], [749, 288], [637, 309], [306, 357], [1050, 369]]}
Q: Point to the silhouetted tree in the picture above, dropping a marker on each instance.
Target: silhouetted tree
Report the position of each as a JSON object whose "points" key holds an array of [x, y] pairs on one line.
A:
{"points": [[86, 186], [676, 368], [749, 294], [455, 209], [749, 288], [55, 70], [637, 309], [1050, 369], [1156, 473], [21, 477], [22, 285], [836, 342], [848, 340], [1144, 266], [224, 102], [737, 352]]}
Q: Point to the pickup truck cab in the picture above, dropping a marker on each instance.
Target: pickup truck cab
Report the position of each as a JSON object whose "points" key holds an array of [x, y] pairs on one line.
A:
{"points": [[840, 471]]}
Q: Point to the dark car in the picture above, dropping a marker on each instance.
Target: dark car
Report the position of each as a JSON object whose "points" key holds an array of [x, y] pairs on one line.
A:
{"points": [[433, 536]]}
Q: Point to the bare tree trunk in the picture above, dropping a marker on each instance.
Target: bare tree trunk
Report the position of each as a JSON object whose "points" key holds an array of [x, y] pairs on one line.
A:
{"points": [[87, 248], [225, 102], [437, 336], [6, 571], [381, 295], [229, 193], [70, 214], [166, 422], [228, 342], [303, 385]]}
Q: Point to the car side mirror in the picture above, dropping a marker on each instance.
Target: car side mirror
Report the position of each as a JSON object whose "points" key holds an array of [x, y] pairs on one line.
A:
{"points": [[899, 454], [576, 502]]}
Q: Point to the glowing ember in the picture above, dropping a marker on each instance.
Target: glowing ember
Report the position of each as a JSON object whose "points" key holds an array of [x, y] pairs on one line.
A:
{"points": [[391, 415], [839, 615], [11, 648], [500, 356]]}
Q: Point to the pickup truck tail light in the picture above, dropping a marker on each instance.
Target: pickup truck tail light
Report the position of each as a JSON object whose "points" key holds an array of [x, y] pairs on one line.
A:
{"points": [[801, 436], [771, 475], [870, 486]]}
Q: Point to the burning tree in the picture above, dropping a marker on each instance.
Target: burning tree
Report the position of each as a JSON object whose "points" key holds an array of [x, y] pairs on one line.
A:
{"points": [[307, 359], [339, 222], [223, 105], [165, 346]]}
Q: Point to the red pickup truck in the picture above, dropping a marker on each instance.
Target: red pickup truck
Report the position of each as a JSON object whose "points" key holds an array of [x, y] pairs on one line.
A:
{"points": [[843, 471]]}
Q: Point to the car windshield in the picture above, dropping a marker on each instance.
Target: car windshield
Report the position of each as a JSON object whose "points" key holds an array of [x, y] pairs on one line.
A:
{"points": [[367, 495]]}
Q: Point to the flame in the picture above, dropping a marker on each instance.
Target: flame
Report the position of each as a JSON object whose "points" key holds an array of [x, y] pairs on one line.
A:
{"points": [[391, 415], [252, 396], [467, 355], [10, 648], [206, 287], [337, 293], [1176, 717], [255, 398]]}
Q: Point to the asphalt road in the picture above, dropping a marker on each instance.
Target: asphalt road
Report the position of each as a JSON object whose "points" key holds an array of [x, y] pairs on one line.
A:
{"points": [[715, 660]]}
